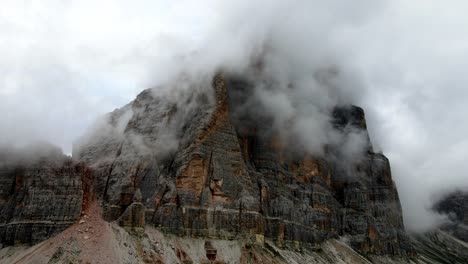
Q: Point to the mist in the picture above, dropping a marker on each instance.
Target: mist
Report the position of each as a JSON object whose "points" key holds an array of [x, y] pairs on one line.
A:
{"points": [[66, 64]]}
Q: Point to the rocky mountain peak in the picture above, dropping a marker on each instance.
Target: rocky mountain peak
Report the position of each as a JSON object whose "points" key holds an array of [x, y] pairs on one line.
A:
{"points": [[191, 163], [226, 179], [455, 206]]}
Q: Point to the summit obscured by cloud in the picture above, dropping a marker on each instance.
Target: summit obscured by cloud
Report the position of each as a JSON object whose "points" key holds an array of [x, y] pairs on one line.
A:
{"points": [[65, 63]]}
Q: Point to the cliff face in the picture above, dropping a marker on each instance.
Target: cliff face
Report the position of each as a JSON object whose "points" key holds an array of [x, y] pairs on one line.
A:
{"points": [[41, 194], [190, 168]]}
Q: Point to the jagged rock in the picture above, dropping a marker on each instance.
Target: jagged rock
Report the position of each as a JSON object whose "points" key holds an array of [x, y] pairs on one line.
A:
{"points": [[203, 173], [41, 193], [455, 206]]}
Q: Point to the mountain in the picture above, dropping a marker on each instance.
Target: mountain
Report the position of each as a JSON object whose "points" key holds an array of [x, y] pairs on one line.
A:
{"points": [[186, 175], [41, 193], [226, 180], [455, 206]]}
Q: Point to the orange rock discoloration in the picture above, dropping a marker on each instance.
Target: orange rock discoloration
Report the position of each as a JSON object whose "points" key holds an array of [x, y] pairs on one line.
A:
{"points": [[194, 176], [310, 167], [372, 233]]}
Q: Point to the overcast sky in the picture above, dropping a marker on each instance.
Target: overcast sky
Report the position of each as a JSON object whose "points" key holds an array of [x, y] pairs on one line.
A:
{"points": [[65, 63]]}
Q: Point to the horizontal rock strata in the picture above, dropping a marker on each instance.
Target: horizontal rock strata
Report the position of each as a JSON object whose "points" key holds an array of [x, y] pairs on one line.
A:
{"points": [[200, 172], [40, 195]]}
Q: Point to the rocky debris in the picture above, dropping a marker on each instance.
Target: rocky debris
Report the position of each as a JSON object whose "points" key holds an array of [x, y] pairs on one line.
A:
{"points": [[41, 193], [221, 178], [115, 245], [455, 206], [439, 247]]}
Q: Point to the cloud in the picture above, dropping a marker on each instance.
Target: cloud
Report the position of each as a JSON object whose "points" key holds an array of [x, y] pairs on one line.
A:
{"points": [[416, 100], [66, 63]]}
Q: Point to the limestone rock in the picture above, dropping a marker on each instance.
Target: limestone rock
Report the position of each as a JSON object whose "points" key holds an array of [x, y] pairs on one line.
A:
{"points": [[134, 215], [41, 193], [202, 173], [455, 206]]}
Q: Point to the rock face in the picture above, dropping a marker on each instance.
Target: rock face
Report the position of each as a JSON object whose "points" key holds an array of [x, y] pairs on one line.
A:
{"points": [[439, 247], [189, 167], [455, 206], [41, 193]]}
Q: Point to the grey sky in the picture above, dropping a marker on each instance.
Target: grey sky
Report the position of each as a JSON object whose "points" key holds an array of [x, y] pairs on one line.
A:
{"points": [[64, 63]]}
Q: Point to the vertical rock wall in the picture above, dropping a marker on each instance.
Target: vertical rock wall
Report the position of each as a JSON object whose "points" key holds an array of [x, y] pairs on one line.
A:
{"points": [[227, 180], [39, 196]]}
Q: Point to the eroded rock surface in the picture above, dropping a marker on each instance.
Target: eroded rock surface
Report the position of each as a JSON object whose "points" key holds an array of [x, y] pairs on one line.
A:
{"points": [[203, 172], [41, 193], [455, 206]]}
